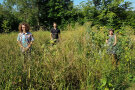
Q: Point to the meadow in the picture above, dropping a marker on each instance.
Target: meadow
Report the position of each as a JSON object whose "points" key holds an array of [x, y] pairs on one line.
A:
{"points": [[78, 62]]}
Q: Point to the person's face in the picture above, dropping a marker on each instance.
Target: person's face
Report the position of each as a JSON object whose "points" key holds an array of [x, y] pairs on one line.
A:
{"points": [[111, 32], [23, 28], [55, 25]]}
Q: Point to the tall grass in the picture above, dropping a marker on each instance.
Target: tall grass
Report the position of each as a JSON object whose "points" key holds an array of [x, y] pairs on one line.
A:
{"points": [[78, 61]]}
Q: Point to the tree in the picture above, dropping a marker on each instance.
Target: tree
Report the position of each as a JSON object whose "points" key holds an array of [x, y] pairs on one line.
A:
{"points": [[42, 12], [55, 11], [8, 21]]}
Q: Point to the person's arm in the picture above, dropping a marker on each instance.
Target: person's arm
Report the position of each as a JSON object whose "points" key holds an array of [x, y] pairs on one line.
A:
{"points": [[19, 43], [115, 40], [51, 36], [31, 39], [29, 45], [106, 40], [59, 35]]}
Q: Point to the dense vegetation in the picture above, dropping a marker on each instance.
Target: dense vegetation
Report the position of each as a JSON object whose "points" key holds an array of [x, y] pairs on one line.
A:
{"points": [[40, 14], [79, 61]]}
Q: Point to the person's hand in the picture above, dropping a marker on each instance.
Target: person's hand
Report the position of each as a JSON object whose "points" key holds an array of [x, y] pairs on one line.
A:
{"points": [[106, 41], [27, 47], [114, 44], [22, 47]]}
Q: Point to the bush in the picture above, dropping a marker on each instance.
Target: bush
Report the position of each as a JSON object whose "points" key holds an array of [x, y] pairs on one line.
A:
{"points": [[78, 61]]}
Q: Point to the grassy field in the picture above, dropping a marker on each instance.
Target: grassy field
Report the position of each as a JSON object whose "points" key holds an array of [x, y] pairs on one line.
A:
{"points": [[79, 61]]}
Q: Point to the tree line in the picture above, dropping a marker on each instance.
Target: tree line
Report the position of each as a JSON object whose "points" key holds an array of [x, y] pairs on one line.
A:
{"points": [[42, 13]]}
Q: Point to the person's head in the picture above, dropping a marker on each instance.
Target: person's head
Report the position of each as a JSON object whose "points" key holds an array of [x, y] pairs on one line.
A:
{"points": [[24, 27], [111, 31], [55, 24]]}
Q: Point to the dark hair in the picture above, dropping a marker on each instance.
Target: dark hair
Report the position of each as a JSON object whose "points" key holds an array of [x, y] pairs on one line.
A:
{"points": [[54, 23], [26, 26], [111, 30]]}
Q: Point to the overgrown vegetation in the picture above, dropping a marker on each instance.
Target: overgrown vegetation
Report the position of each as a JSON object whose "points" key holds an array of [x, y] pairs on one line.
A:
{"points": [[79, 61]]}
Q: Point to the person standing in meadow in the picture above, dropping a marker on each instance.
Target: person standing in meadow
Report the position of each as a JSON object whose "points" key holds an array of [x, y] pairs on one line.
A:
{"points": [[55, 34], [111, 42], [25, 40]]}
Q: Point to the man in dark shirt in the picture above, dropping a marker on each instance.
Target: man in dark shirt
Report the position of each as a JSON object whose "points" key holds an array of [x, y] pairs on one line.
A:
{"points": [[55, 33]]}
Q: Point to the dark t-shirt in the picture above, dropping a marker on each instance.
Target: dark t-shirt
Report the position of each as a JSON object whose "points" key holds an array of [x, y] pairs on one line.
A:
{"points": [[55, 33]]}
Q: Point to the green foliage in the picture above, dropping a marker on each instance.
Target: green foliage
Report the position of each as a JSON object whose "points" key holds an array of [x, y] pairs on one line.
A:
{"points": [[111, 13], [42, 13], [5, 26], [8, 21], [78, 61]]}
